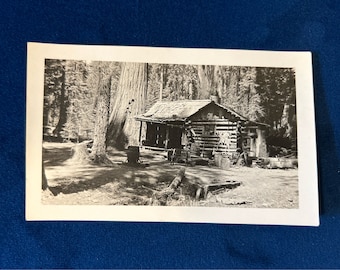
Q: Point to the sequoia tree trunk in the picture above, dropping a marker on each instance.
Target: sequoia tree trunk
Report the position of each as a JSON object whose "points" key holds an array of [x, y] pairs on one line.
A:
{"points": [[211, 82], [205, 82], [98, 154], [129, 101]]}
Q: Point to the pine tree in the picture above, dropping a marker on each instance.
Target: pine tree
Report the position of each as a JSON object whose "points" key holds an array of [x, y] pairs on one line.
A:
{"points": [[276, 87], [156, 81], [249, 99], [80, 99], [55, 97], [180, 82]]}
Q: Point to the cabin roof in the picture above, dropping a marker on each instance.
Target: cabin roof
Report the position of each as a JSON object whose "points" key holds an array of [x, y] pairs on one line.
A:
{"points": [[179, 110]]}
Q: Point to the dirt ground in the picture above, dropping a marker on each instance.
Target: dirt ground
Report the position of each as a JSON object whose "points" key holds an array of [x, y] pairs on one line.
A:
{"points": [[121, 184]]}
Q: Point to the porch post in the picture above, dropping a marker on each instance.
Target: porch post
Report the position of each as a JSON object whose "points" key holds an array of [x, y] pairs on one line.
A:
{"points": [[140, 133], [166, 136]]}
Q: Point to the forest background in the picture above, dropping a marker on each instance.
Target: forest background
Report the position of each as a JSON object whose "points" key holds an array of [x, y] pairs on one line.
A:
{"points": [[99, 100]]}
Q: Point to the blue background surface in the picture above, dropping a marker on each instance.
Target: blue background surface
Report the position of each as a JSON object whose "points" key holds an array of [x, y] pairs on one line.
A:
{"points": [[270, 25]]}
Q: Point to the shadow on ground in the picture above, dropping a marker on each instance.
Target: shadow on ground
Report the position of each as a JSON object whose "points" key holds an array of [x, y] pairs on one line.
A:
{"points": [[72, 178], [123, 184], [56, 154]]}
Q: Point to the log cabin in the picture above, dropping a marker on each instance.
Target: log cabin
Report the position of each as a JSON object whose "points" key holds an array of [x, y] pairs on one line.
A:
{"points": [[202, 126]]}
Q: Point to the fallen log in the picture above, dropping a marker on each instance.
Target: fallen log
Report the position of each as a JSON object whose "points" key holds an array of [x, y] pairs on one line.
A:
{"points": [[215, 188], [161, 197]]}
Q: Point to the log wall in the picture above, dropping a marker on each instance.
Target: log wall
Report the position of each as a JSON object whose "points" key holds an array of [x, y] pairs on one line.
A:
{"points": [[217, 136]]}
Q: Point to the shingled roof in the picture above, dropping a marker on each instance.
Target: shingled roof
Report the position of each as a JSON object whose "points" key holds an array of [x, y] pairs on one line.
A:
{"points": [[179, 110]]}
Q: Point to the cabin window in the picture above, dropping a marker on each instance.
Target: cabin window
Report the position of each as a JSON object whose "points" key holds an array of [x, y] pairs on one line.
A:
{"points": [[209, 129]]}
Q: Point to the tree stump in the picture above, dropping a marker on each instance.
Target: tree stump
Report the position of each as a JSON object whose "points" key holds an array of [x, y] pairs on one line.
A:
{"points": [[80, 154]]}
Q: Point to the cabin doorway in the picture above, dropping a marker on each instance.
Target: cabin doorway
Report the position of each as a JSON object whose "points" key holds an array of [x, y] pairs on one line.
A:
{"points": [[175, 137]]}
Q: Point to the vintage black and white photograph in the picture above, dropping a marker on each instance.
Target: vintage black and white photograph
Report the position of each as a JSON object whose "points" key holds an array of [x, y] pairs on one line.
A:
{"points": [[169, 134]]}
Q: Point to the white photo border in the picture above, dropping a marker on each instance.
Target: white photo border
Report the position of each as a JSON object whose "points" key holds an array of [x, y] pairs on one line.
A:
{"points": [[306, 215]]}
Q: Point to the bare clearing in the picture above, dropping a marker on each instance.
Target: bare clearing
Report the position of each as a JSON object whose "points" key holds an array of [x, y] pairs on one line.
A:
{"points": [[134, 185]]}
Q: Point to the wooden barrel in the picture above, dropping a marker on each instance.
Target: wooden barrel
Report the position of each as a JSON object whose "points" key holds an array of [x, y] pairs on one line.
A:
{"points": [[225, 162], [218, 159], [133, 154], [222, 161]]}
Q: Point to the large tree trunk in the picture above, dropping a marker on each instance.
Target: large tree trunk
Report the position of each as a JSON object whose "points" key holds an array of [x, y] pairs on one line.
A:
{"points": [[219, 82], [211, 82], [232, 88], [63, 106], [129, 102], [98, 154], [44, 184], [47, 192], [48, 101], [285, 123], [161, 83], [205, 81]]}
